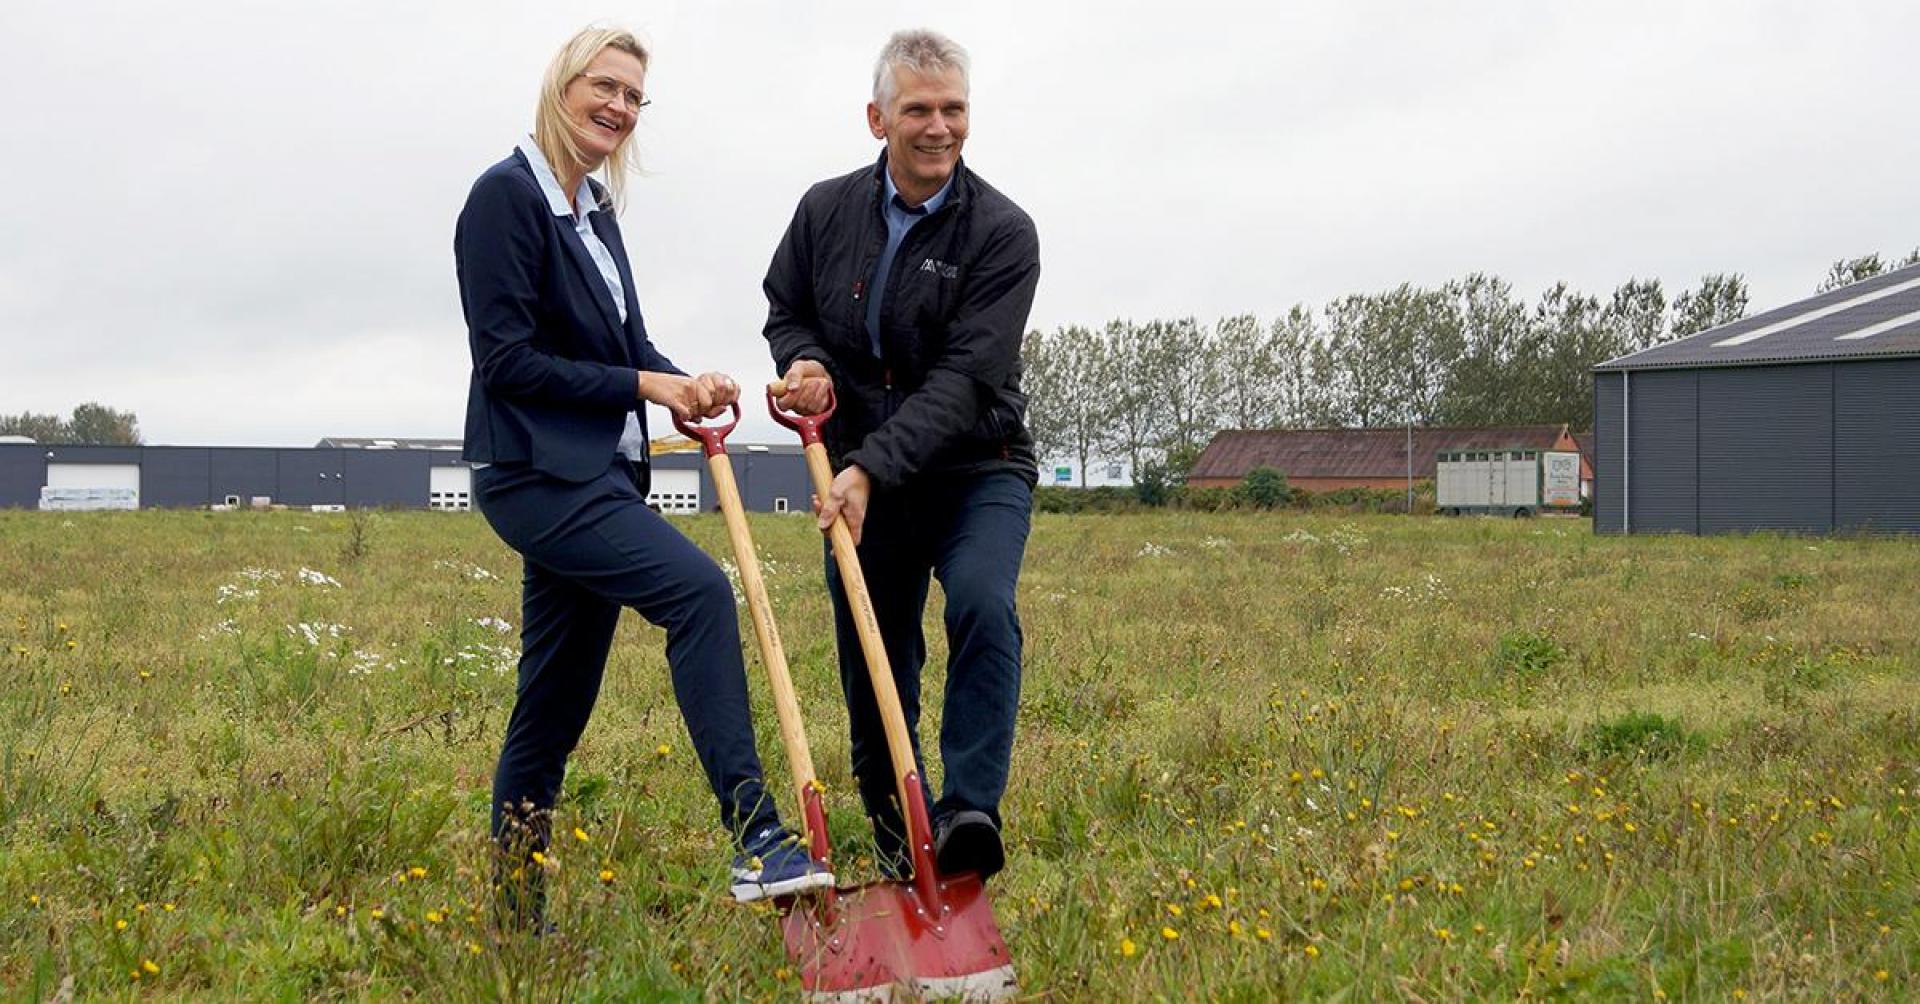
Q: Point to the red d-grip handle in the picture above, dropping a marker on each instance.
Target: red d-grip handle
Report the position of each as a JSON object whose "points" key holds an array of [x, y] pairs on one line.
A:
{"points": [[808, 426], [713, 438]]}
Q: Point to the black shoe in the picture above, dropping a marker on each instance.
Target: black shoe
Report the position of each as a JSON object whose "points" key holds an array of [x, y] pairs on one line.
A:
{"points": [[967, 841]]}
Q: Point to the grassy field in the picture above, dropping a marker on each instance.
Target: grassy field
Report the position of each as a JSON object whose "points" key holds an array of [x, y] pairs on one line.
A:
{"points": [[246, 756]]}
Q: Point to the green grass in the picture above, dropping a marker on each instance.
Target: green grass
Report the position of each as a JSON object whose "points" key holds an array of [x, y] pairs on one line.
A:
{"points": [[1259, 754]]}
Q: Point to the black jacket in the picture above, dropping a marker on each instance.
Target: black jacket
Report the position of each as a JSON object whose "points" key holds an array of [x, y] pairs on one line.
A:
{"points": [[945, 395]]}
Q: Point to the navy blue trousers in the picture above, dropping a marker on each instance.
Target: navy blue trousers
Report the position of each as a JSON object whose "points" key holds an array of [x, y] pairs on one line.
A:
{"points": [[969, 533], [589, 550]]}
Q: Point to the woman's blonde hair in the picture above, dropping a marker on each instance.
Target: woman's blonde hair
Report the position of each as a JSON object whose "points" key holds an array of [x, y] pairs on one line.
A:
{"points": [[551, 132]]}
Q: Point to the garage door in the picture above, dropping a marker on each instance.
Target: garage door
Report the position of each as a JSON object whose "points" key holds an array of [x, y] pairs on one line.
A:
{"points": [[91, 486], [675, 491], [450, 489]]}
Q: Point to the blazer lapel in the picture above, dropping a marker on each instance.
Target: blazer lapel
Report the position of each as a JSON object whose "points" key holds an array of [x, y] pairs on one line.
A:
{"points": [[609, 231], [595, 285]]}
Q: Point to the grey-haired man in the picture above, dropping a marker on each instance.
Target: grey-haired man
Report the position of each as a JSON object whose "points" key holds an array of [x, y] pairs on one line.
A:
{"points": [[903, 288]]}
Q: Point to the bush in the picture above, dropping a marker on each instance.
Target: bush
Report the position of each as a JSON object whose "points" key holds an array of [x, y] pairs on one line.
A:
{"points": [[1526, 655], [1204, 499], [1639, 733], [1153, 483], [1105, 499], [1265, 488]]}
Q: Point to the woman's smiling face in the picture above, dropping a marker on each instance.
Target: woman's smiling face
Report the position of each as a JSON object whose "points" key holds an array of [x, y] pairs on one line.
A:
{"points": [[603, 103]]}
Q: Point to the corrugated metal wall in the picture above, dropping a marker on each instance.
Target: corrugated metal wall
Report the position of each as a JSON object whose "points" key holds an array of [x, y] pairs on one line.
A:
{"points": [[1606, 452], [23, 471], [1766, 448], [174, 477], [396, 478], [1664, 447], [1813, 447], [245, 473], [1877, 445]]}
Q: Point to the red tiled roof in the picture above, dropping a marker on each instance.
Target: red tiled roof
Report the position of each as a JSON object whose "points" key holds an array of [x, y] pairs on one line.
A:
{"points": [[1356, 453]]}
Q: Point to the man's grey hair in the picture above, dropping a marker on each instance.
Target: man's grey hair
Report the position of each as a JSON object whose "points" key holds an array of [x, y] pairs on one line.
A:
{"points": [[919, 50]]}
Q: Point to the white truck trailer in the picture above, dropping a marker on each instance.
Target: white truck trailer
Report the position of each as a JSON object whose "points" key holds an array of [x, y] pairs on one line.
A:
{"points": [[1507, 482]]}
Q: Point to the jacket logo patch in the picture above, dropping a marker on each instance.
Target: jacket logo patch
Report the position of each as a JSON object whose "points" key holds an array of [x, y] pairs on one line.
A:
{"points": [[940, 268]]}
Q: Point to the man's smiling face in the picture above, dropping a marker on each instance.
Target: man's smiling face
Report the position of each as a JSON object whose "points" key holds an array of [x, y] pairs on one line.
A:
{"points": [[924, 126]]}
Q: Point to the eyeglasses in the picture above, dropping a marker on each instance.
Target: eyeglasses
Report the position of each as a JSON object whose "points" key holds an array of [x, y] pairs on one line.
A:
{"points": [[607, 88]]}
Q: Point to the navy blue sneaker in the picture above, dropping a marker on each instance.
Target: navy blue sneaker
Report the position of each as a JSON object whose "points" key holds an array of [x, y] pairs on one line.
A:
{"points": [[776, 863]]}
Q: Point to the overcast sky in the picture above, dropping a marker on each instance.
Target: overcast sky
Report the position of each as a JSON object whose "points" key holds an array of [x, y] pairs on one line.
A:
{"points": [[236, 219]]}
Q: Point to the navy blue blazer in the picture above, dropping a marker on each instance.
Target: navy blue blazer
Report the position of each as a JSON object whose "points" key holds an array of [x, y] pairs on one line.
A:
{"points": [[554, 371]]}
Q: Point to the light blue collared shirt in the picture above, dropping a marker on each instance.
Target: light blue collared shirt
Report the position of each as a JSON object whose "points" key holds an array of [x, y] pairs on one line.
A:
{"points": [[633, 442], [900, 219]]}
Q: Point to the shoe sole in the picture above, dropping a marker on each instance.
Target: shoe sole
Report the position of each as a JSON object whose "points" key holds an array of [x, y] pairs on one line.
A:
{"points": [[750, 891], [972, 848]]}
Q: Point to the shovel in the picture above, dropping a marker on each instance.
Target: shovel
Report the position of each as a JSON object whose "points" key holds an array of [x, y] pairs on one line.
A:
{"points": [[933, 936], [793, 735]]}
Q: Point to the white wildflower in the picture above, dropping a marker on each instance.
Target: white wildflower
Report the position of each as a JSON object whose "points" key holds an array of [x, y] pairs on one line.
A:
{"points": [[314, 578]]}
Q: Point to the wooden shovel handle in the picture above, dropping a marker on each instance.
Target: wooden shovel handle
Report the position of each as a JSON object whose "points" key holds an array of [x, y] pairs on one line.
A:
{"points": [[886, 695], [786, 705]]}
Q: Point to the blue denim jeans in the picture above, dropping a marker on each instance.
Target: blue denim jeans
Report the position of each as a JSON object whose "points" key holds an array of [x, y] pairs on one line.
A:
{"points": [[970, 533]]}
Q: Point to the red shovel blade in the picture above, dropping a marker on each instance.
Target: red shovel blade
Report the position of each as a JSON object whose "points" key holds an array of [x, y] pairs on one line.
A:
{"points": [[880, 942]]}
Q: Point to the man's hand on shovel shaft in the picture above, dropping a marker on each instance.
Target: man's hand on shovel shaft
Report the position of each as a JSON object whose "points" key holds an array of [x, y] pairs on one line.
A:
{"points": [[846, 499], [808, 389]]}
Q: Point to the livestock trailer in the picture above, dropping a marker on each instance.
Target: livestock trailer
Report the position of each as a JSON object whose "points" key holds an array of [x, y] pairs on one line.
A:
{"points": [[1507, 482]]}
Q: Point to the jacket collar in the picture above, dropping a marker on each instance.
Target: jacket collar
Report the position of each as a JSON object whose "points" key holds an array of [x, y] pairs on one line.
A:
{"points": [[957, 185], [599, 219]]}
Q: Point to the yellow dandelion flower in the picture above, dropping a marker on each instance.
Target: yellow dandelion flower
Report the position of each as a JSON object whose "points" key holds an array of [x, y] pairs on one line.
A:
{"points": [[1128, 948], [1739, 994], [580, 835], [606, 875], [1443, 934], [378, 914], [1311, 951], [435, 916], [1174, 909], [473, 948], [1881, 975], [539, 858], [33, 900], [662, 750], [1263, 934], [120, 925], [340, 911], [152, 967], [1479, 928], [1213, 902], [417, 872], [1233, 928], [1170, 934], [167, 907]]}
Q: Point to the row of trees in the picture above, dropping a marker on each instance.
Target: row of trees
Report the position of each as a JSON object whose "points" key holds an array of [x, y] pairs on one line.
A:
{"points": [[90, 424], [1470, 352]]}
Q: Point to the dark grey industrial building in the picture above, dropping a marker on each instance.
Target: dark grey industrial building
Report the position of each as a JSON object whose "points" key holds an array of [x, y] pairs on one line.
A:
{"points": [[1802, 419], [354, 474]]}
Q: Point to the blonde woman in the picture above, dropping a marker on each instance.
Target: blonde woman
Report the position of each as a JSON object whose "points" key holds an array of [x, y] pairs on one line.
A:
{"points": [[556, 427]]}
